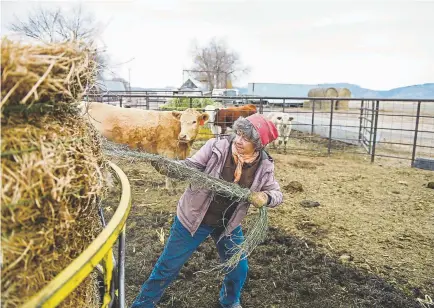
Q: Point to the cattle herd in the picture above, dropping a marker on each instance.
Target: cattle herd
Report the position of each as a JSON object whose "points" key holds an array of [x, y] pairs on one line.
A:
{"points": [[171, 133]]}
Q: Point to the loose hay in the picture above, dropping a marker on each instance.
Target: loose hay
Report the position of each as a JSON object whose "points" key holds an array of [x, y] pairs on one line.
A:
{"points": [[45, 73], [51, 169], [257, 231]]}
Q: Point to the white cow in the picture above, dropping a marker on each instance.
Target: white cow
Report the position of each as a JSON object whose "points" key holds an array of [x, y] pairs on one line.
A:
{"points": [[283, 122], [211, 111]]}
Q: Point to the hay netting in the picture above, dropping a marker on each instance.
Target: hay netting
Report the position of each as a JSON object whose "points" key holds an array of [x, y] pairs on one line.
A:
{"points": [[256, 231], [52, 168]]}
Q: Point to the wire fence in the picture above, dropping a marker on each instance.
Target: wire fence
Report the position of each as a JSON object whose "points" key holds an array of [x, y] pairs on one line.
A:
{"points": [[396, 128]]}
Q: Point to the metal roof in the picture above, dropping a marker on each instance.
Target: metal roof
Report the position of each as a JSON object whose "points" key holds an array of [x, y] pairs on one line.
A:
{"points": [[199, 85], [111, 85]]}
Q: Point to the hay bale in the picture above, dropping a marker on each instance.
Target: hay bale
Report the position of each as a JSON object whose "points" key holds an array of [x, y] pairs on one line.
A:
{"points": [[52, 168], [343, 104], [307, 104], [321, 92], [56, 72]]}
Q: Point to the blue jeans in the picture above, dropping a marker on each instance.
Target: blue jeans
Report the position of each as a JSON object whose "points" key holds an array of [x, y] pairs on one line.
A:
{"points": [[179, 247]]}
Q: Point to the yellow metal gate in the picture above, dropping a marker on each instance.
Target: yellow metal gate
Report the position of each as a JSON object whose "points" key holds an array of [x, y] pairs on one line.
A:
{"points": [[99, 251]]}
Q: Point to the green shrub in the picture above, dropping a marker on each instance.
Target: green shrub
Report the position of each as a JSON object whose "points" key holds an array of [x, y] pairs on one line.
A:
{"points": [[184, 103]]}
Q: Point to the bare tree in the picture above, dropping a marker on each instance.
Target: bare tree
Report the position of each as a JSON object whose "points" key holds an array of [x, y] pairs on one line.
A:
{"points": [[216, 64], [52, 25]]}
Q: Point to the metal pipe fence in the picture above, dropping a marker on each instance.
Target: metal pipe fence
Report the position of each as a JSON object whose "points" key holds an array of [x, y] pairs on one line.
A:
{"points": [[386, 127]]}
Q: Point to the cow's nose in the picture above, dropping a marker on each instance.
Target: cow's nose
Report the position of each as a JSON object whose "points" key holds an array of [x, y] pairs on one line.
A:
{"points": [[182, 136]]}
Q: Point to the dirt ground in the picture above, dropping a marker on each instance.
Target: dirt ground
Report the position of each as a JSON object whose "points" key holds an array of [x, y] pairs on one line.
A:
{"points": [[369, 243]]}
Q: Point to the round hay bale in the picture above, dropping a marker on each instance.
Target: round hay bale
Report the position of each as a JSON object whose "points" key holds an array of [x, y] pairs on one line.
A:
{"points": [[52, 168], [307, 104], [322, 92], [343, 104]]}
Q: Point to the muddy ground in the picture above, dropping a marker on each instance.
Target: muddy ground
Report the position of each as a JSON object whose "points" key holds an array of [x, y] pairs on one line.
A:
{"points": [[369, 243]]}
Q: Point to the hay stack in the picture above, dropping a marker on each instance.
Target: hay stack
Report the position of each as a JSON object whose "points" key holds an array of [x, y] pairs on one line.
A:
{"points": [[51, 169], [321, 92], [343, 104]]}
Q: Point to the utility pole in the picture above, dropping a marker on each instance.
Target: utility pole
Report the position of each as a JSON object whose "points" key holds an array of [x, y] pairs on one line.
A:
{"points": [[129, 83]]}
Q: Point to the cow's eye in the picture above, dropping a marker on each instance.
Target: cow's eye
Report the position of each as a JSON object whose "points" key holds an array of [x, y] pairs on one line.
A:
{"points": [[194, 122]]}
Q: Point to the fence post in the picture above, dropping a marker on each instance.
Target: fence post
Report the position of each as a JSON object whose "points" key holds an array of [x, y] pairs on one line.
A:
{"points": [[329, 147], [121, 269], [416, 129], [377, 107], [147, 101], [312, 129], [191, 102], [120, 102], [361, 120], [372, 127], [283, 105], [261, 106]]}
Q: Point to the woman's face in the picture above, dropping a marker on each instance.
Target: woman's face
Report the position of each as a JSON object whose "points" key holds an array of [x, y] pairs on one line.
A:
{"points": [[243, 145]]}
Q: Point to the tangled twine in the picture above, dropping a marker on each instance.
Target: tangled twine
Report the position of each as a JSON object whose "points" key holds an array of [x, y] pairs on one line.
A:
{"points": [[174, 169]]}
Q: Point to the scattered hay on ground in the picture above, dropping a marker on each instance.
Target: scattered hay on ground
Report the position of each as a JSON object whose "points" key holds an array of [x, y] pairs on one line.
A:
{"points": [[387, 236]]}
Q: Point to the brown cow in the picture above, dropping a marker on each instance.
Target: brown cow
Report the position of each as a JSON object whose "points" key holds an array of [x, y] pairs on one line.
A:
{"points": [[166, 133], [226, 117]]}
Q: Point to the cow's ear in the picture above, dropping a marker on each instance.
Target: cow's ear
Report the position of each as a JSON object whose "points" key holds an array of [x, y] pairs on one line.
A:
{"points": [[291, 118], [177, 114], [203, 118]]}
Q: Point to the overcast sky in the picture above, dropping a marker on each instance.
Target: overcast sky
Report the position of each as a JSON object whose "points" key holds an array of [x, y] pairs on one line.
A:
{"points": [[375, 44]]}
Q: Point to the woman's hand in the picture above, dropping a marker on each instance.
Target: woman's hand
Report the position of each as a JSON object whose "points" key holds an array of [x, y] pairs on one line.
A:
{"points": [[258, 199]]}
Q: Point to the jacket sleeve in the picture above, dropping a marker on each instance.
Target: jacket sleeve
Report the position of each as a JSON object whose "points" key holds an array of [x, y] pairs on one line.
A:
{"points": [[200, 159], [272, 189]]}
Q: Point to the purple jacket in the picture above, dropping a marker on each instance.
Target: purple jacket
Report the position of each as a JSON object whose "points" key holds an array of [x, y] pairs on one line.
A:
{"points": [[210, 159]]}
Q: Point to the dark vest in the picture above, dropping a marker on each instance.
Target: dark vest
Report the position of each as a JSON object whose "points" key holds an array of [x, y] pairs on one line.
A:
{"points": [[222, 208]]}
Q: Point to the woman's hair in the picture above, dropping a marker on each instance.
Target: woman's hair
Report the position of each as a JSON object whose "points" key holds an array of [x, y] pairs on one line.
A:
{"points": [[245, 128]]}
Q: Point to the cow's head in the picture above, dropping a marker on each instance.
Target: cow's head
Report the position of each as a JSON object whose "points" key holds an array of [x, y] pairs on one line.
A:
{"points": [[211, 110], [284, 120], [283, 123], [190, 120]]}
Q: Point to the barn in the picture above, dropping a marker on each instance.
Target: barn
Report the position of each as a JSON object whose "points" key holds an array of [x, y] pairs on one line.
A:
{"points": [[192, 84]]}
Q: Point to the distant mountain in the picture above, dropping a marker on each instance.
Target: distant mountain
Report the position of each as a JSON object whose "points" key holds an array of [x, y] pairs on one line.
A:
{"points": [[422, 91]]}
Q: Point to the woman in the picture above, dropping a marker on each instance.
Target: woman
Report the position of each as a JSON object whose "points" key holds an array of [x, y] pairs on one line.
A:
{"points": [[200, 213]]}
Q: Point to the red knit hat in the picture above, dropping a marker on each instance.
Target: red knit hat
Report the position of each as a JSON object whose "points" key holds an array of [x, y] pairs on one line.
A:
{"points": [[265, 128]]}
